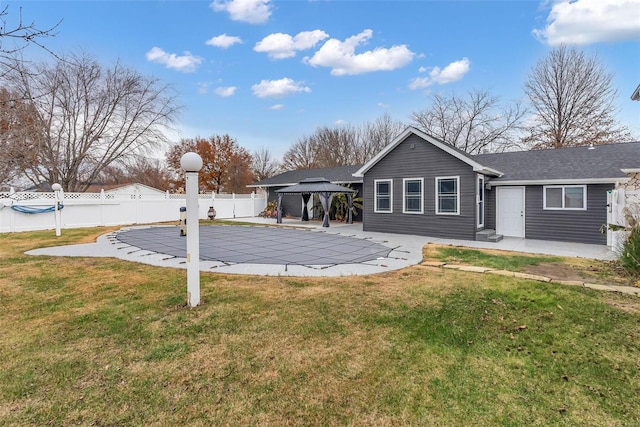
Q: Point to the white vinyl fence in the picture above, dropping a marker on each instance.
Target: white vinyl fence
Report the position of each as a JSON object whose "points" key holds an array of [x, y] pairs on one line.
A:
{"points": [[101, 209]]}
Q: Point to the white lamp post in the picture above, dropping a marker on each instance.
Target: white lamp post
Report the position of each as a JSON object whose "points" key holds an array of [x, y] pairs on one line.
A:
{"points": [[57, 188], [191, 163]]}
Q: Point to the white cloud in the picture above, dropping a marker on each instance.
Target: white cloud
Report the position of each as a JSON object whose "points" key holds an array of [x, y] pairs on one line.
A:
{"points": [[451, 73], [203, 87], [278, 88], [584, 22], [277, 107], [186, 63], [422, 69], [223, 40], [280, 46], [341, 122], [225, 91], [341, 56], [383, 105], [251, 11]]}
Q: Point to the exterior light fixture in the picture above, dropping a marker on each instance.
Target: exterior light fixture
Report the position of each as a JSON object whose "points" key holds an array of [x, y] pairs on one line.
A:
{"points": [[191, 162]]}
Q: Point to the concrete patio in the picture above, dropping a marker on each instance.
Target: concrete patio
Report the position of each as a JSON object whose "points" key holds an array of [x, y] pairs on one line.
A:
{"points": [[546, 247], [225, 252]]}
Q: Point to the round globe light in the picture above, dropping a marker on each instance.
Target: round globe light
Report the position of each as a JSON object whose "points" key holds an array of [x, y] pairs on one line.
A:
{"points": [[56, 187], [191, 162]]}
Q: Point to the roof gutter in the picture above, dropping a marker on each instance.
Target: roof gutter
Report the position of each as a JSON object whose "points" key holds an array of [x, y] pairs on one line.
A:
{"points": [[559, 181], [487, 171]]}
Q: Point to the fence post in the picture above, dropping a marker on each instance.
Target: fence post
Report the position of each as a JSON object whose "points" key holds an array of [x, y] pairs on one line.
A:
{"points": [[12, 224], [102, 207], [253, 203], [136, 195]]}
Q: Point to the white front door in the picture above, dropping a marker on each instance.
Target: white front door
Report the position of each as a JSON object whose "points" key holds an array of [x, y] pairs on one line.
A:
{"points": [[510, 211]]}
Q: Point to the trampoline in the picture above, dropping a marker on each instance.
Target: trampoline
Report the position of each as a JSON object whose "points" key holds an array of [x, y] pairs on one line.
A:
{"points": [[258, 245]]}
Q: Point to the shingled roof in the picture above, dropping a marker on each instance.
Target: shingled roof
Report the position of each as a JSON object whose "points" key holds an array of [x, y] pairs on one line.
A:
{"points": [[315, 185], [598, 163], [336, 175]]}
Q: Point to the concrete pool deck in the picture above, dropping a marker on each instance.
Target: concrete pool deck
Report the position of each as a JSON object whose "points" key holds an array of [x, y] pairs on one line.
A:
{"points": [[313, 255]]}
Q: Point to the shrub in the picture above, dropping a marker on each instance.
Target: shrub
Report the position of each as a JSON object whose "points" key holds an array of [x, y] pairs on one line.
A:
{"points": [[630, 256]]}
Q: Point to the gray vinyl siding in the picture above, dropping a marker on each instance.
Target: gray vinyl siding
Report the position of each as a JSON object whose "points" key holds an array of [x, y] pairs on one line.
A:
{"points": [[428, 162], [490, 209], [567, 225]]}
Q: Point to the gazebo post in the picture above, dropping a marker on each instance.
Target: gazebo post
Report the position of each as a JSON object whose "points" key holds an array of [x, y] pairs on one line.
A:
{"points": [[279, 209], [326, 198]]}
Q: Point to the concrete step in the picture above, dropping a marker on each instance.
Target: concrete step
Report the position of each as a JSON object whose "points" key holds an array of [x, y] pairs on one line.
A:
{"points": [[483, 235], [494, 238]]}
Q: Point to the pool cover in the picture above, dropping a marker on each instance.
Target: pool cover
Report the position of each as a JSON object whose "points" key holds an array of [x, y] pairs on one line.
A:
{"points": [[258, 245]]}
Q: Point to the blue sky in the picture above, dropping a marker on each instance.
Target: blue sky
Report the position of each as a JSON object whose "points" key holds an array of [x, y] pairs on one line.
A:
{"points": [[268, 72]]}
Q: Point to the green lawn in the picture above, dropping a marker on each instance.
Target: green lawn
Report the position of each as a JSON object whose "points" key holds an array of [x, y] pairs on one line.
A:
{"points": [[453, 254], [107, 342]]}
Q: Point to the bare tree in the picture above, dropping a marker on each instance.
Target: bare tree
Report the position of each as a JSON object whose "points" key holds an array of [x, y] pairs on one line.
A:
{"points": [[474, 124], [376, 135], [264, 165], [301, 155], [87, 116], [137, 169], [21, 34], [16, 124], [572, 96], [342, 145], [336, 146]]}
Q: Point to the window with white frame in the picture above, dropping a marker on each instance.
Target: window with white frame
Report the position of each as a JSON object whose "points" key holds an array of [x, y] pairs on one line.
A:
{"points": [[413, 193], [571, 197], [480, 201], [383, 196], [448, 195]]}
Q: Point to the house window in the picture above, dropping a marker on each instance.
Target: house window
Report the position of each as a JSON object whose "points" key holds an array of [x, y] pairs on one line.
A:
{"points": [[383, 196], [413, 194], [480, 201], [448, 195], [571, 197]]}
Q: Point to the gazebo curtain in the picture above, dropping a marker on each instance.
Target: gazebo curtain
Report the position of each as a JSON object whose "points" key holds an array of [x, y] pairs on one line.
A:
{"points": [[305, 211], [325, 199]]}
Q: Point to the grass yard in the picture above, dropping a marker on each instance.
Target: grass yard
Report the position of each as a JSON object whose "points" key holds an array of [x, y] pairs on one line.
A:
{"points": [[87, 341]]}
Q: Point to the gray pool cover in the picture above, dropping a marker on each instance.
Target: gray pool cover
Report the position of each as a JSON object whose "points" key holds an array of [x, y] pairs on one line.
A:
{"points": [[258, 245]]}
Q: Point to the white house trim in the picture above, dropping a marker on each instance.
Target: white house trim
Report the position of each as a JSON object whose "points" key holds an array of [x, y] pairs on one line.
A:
{"points": [[375, 196], [404, 196], [563, 208], [457, 178]]}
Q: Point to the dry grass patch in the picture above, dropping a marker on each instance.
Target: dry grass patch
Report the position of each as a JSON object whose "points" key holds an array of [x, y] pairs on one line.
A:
{"points": [[555, 267]]}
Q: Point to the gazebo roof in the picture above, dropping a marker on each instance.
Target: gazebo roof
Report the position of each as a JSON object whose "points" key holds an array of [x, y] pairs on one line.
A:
{"points": [[315, 185]]}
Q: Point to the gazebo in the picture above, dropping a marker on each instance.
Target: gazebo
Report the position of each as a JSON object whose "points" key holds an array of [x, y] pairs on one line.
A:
{"points": [[325, 190]]}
